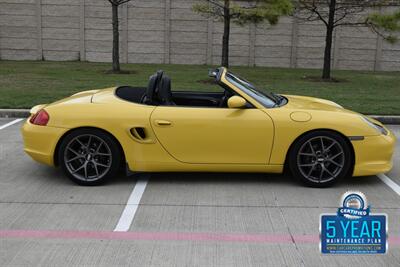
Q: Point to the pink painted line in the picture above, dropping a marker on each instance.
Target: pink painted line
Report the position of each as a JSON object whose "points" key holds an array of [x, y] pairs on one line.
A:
{"points": [[169, 236], [152, 236], [394, 240]]}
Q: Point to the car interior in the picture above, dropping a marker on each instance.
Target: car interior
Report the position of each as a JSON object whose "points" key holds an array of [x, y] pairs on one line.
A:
{"points": [[159, 93]]}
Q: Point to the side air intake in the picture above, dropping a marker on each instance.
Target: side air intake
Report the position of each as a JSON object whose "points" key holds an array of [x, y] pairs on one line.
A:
{"points": [[139, 133]]}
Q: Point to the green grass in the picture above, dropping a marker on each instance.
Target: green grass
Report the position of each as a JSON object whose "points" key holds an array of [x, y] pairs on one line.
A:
{"points": [[24, 84]]}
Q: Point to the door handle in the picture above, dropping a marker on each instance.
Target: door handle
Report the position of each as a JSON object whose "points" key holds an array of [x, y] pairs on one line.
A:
{"points": [[163, 122]]}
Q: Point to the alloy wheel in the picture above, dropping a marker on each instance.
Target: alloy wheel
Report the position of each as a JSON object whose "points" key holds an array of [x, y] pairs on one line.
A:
{"points": [[321, 159], [88, 157]]}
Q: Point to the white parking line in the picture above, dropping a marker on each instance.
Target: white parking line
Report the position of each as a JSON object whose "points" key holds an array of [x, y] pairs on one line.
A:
{"points": [[10, 123], [395, 187], [129, 212]]}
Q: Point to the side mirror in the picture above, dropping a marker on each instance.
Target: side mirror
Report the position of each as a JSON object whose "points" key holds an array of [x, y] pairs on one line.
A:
{"points": [[236, 102]]}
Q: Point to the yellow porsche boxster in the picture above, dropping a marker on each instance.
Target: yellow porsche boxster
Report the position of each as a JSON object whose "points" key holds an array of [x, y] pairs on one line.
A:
{"points": [[93, 134]]}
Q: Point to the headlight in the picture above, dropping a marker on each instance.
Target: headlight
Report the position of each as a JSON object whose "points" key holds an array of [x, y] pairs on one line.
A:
{"points": [[377, 127]]}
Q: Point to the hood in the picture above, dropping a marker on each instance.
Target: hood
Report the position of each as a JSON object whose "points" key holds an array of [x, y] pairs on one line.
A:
{"points": [[312, 103]]}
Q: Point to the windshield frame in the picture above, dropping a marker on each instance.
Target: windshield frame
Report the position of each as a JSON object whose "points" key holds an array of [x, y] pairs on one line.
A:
{"points": [[267, 100]]}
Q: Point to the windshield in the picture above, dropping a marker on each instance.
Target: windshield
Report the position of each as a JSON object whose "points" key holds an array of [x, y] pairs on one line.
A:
{"points": [[268, 100]]}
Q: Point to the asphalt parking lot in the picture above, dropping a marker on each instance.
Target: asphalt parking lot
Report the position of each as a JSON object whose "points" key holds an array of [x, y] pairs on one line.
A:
{"points": [[180, 220]]}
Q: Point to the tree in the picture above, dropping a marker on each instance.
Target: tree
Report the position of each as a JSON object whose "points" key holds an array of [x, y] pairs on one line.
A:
{"points": [[116, 68], [242, 12], [385, 24], [335, 13]]}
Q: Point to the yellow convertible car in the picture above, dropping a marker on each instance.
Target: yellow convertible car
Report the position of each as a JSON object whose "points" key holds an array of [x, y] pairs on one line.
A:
{"points": [[93, 134]]}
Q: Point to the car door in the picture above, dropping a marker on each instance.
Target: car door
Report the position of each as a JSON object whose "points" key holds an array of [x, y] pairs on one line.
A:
{"points": [[214, 135]]}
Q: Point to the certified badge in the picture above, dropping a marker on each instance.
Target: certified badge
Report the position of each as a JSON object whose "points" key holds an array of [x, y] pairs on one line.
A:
{"points": [[353, 229], [354, 205]]}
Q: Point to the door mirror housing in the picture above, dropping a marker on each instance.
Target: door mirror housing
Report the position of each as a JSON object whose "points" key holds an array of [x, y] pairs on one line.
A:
{"points": [[236, 102]]}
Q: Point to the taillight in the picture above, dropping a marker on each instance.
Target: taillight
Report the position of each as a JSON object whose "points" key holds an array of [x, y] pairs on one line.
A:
{"points": [[40, 118]]}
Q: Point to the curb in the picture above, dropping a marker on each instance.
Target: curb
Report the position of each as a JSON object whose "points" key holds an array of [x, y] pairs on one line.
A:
{"points": [[387, 119], [14, 113], [24, 113]]}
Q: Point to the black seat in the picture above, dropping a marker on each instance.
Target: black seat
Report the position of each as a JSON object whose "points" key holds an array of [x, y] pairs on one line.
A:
{"points": [[164, 92], [150, 97]]}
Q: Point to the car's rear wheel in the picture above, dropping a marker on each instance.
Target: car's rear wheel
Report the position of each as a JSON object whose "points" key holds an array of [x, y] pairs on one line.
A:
{"points": [[89, 156], [320, 158]]}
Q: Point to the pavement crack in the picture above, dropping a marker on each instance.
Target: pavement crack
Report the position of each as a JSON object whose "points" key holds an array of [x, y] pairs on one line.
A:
{"points": [[288, 229]]}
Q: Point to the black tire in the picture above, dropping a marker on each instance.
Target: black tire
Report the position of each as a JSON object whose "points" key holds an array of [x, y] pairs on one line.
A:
{"points": [[318, 167], [93, 165]]}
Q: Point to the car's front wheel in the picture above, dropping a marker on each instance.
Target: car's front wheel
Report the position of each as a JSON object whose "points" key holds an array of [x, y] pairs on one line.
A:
{"points": [[320, 158], [89, 156]]}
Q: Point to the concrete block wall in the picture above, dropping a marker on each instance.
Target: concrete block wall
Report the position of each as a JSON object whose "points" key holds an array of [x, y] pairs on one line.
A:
{"points": [[60, 26], [167, 31], [146, 31], [19, 30]]}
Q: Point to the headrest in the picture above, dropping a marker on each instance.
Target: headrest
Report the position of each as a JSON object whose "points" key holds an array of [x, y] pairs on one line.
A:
{"points": [[164, 91], [152, 87]]}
